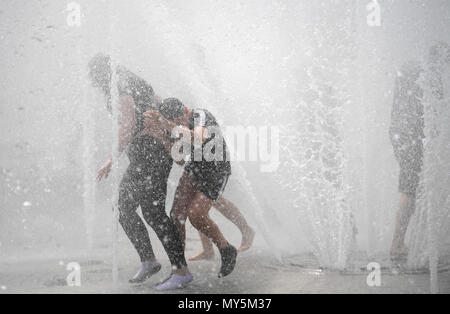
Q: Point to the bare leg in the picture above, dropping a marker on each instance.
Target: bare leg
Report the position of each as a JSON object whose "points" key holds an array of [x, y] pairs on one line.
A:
{"points": [[232, 213], [183, 197], [208, 251], [199, 216], [406, 210]]}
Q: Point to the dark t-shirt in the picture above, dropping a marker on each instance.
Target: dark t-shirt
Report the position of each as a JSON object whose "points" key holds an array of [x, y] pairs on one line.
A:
{"points": [[407, 116], [207, 167], [145, 152]]}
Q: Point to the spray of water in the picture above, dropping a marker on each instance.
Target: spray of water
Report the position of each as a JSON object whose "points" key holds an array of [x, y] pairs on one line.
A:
{"points": [[314, 69]]}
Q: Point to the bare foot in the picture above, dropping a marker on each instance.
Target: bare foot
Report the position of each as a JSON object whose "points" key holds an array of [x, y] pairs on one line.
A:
{"points": [[247, 240], [203, 255]]}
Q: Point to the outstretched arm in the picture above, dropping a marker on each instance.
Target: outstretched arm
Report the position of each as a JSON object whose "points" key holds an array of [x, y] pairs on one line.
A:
{"points": [[127, 123]]}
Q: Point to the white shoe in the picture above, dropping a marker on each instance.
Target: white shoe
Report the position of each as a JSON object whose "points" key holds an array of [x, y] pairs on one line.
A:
{"points": [[147, 270], [175, 282]]}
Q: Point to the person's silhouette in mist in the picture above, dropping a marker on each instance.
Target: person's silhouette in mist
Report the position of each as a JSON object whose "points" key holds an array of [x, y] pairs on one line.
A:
{"points": [[407, 134]]}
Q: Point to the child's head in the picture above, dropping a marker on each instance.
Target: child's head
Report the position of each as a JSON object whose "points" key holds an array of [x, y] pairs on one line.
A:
{"points": [[174, 110]]}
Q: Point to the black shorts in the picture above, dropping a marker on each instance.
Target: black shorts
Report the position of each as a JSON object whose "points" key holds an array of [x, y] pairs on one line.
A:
{"points": [[410, 159], [211, 185]]}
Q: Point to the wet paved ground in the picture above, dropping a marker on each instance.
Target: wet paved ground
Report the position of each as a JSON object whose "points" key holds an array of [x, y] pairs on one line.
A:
{"points": [[256, 272]]}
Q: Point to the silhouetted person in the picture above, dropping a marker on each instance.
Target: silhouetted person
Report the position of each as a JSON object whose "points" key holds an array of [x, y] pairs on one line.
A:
{"points": [[205, 175], [407, 134], [144, 183]]}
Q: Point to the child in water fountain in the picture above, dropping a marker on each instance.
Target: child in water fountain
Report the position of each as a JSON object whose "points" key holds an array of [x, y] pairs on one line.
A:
{"points": [[204, 179], [407, 133], [144, 183], [232, 213]]}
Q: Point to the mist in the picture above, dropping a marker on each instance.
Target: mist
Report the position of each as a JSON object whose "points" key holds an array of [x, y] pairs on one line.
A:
{"points": [[316, 72]]}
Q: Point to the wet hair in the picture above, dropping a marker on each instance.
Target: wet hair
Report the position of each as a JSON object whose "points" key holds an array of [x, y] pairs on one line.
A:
{"points": [[171, 108], [100, 72], [100, 75]]}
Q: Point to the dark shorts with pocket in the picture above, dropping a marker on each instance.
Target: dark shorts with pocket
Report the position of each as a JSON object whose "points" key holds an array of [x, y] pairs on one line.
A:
{"points": [[211, 181], [410, 159]]}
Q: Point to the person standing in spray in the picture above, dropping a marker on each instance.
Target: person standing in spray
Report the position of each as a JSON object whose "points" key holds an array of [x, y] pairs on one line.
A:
{"points": [[144, 183], [407, 134], [206, 173]]}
